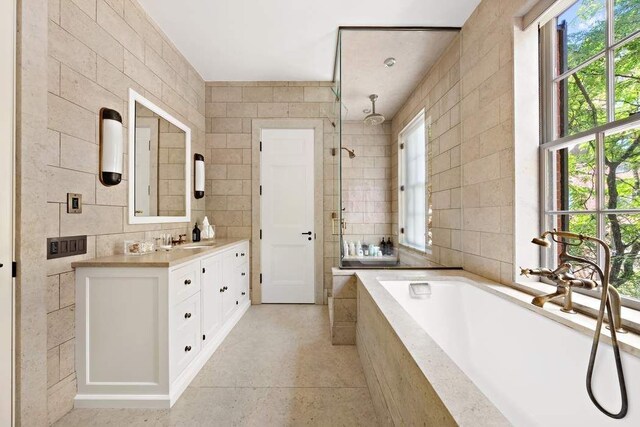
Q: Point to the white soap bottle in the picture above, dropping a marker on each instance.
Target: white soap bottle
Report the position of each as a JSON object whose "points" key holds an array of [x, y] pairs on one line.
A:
{"points": [[359, 249], [352, 249]]}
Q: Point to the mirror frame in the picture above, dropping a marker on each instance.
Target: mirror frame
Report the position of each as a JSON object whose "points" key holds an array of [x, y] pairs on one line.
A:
{"points": [[133, 219]]}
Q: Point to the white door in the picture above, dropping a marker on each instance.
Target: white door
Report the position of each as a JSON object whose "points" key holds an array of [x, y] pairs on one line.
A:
{"points": [[147, 164], [7, 66], [287, 216]]}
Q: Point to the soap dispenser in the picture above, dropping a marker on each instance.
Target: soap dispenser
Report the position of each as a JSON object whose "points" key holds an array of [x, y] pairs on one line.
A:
{"points": [[195, 236], [389, 246], [383, 246]]}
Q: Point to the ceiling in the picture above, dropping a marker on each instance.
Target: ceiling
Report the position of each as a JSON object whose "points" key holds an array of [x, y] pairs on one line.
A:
{"points": [[281, 40], [363, 71]]}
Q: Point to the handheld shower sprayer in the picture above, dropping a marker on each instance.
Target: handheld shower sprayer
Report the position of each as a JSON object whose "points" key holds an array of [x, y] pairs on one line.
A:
{"points": [[609, 297]]}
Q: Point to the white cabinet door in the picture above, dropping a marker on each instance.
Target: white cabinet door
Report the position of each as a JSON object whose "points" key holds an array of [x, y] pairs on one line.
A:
{"points": [[230, 282], [211, 295], [287, 215]]}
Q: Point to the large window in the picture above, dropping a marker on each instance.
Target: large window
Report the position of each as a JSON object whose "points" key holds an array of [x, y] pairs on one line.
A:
{"points": [[591, 131], [413, 185]]}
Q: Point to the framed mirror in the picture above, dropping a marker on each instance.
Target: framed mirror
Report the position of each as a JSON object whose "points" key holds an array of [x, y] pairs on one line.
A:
{"points": [[159, 164]]}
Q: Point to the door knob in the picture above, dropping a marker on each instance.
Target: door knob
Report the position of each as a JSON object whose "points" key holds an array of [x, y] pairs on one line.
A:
{"points": [[308, 233]]}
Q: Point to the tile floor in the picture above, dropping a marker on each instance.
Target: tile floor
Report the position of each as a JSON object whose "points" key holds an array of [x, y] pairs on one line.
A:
{"points": [[277, 367]]}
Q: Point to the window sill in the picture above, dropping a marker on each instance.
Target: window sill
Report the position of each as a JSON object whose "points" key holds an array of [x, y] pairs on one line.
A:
{"points": [[413, 249], [584, 321]]}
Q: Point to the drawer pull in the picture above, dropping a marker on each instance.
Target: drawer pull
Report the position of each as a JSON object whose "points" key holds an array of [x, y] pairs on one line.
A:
{"points": [[236, 302], [187, 282], [221, 289], [187, 315], [242, 254], [203, 270], [244, 293], [236, 254], [225, 288], [244, 274], [187, 348]]}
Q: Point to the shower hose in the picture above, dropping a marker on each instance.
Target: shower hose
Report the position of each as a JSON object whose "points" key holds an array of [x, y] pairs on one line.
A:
{"points": [[605, 303]]}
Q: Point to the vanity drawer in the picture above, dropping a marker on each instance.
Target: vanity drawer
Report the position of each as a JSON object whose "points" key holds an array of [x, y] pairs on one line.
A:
{"points": [[185, 329], [186, 314], [185, 281]]}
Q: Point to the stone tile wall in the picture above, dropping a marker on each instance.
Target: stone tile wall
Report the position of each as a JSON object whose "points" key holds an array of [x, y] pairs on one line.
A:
{"points": [[469, 96], [366, 182], [98, 50], [230, 109], [487, 135], [439, 95]]}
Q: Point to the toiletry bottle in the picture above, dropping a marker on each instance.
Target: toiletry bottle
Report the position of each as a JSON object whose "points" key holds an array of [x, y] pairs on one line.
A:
{"points": [[383, 247], [195, 236], [345, 248], [359, 251], [352, 249], [389, 246]]}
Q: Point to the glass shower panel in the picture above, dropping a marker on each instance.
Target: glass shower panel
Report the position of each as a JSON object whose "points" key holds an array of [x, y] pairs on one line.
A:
{"points": [[389, 65]]}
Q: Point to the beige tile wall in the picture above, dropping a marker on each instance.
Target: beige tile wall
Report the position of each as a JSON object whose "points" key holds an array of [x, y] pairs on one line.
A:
{"points": [[98, 50], [487, 150], [366, 185], [439, 95], [230, 109], [470, 97]]}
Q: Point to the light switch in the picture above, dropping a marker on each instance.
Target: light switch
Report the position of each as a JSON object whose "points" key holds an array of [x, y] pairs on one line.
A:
{"points": [[74, 203]]}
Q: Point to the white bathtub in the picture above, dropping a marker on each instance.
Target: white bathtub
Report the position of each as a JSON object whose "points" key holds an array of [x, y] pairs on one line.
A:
{"points": [[531, 368]]}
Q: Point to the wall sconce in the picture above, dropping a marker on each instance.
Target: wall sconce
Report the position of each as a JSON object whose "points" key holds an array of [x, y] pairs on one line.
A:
{"points": [[198, 176], [111, 147]]}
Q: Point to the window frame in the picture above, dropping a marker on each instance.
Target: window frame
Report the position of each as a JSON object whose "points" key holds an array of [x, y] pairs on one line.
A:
{"points": [[426, 125], [550, 140]]}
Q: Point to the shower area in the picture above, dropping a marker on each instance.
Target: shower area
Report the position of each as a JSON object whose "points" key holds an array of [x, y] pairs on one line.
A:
{"points": [[387, 194]]}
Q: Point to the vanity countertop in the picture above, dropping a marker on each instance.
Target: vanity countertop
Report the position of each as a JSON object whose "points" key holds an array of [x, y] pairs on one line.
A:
{"points": [[176, 256]]}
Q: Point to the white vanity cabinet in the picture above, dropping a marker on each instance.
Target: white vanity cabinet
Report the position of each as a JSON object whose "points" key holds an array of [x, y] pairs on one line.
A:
{"points": [[146, 326]]}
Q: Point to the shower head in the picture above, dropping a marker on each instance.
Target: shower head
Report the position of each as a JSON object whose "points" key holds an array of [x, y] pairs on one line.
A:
{"points": [[541, 241], [374, 118], [352, 153]]}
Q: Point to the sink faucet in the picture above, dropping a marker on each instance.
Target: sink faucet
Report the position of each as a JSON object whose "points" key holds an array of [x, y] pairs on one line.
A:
{"points": [[182, 238], [565, 280]]}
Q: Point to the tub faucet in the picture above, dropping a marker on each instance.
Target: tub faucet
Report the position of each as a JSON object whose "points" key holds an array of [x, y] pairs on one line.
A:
{"points": [[565, 281], [609, 302]]}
